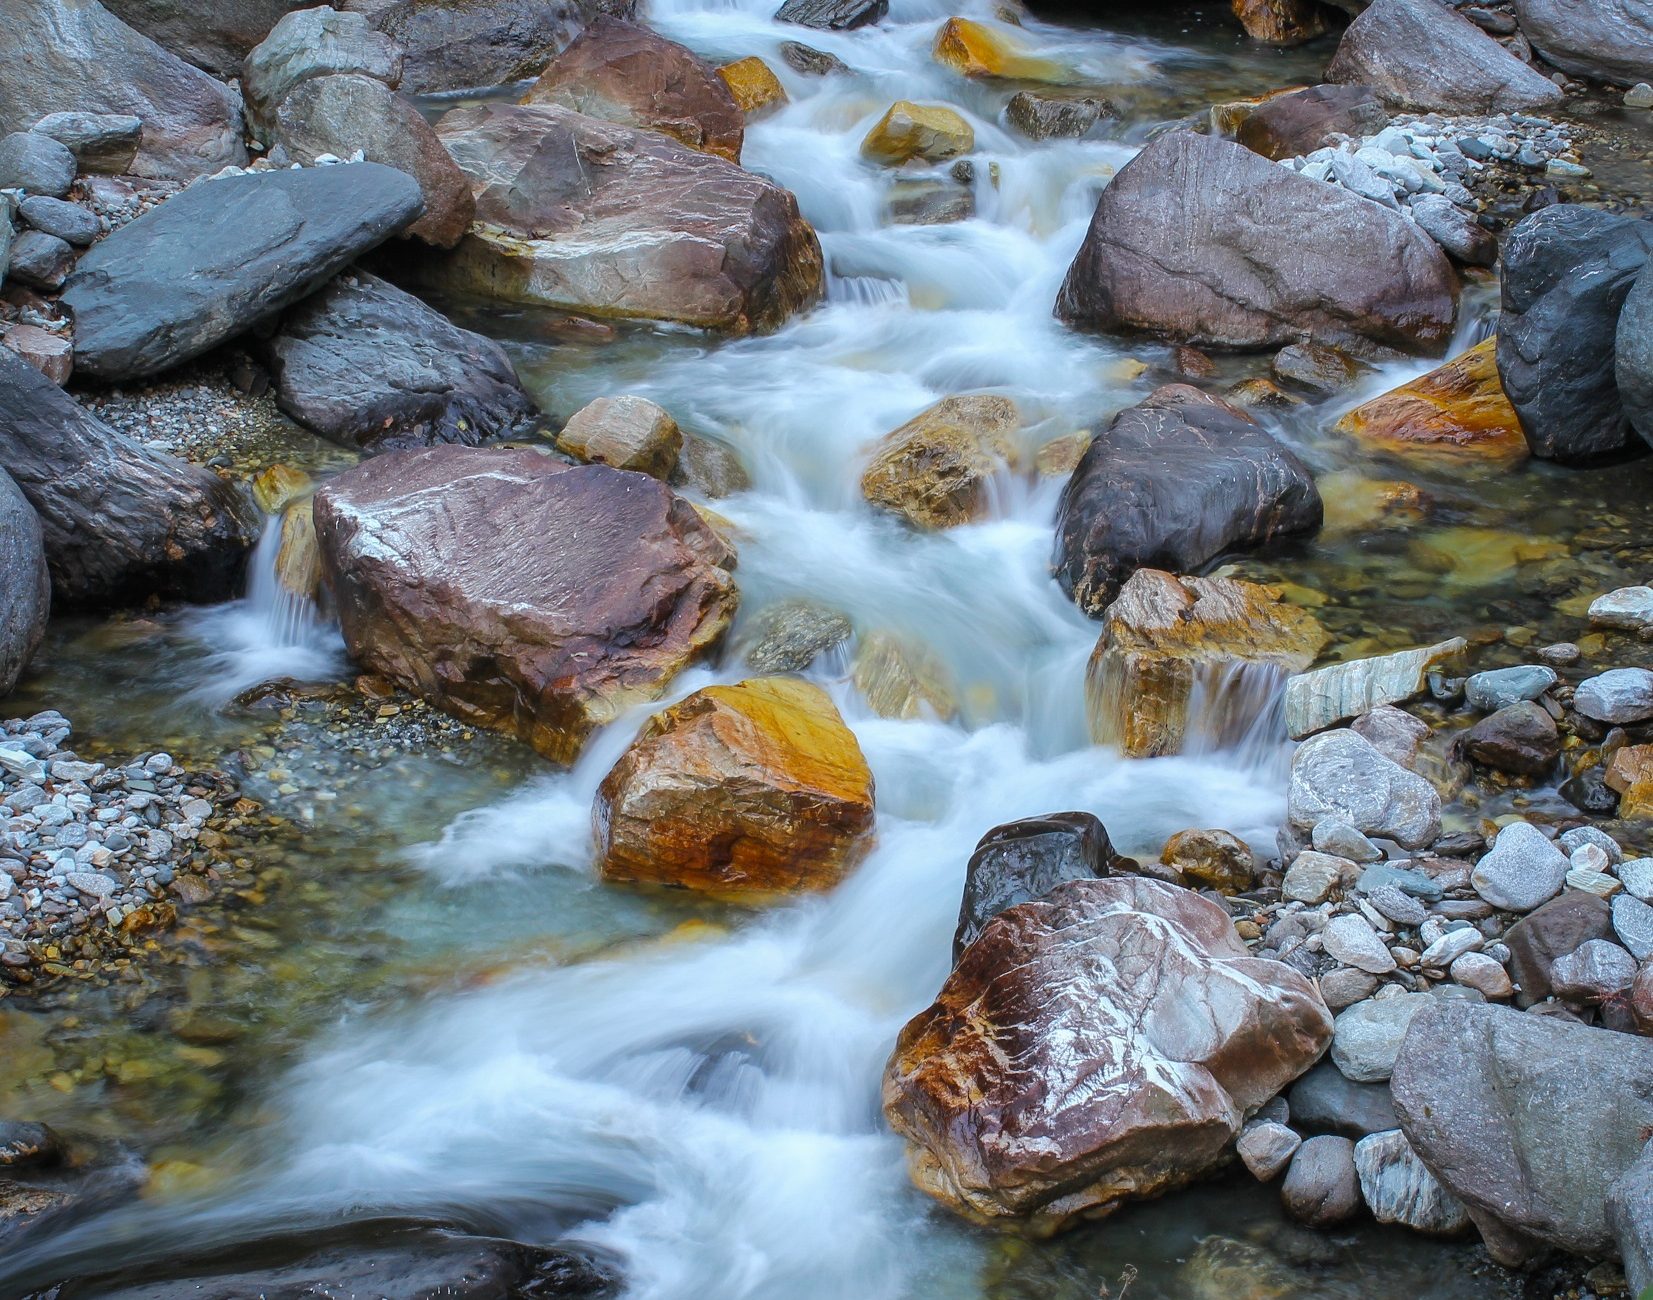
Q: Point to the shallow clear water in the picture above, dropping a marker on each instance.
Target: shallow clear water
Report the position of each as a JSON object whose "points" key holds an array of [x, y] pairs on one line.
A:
{"points": [[426, 1005]]}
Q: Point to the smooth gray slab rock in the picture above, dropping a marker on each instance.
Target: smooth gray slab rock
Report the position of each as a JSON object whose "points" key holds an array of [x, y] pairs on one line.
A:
{"points": [[1633, 360], [1529, 1120], [35, 164], [367, 365], [1321, 1187], [1619, 695], [1567, 271], [121, 522], [1454, 229], [76, 56], [105, 143], [1201, 240], [25, 588], [1398, 1188], [1602, 40], [1339, 774], [70, 222], [156, 293], [40, 261], [1630, 1215], [1341, 692], [1324, 1101], [1420, 54], [1367, 1037], [319, 42], [1633, 924], [1522, 871], [1502, 687]]}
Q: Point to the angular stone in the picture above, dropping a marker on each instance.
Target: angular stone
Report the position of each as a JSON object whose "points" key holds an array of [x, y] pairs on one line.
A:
{"points": [[623, 72], [1024, 860], [1552, 931], [1521, 739], [1339, 693], [1101, 1044], [1321, 1187], [1339, 774], [104, 143], [1453, 944], [751, 791], [1592, 972], [1315, 369], [1630, 774], [1201, 240], [1457, 409], [1044, 117], [932, 132], [1352, 940], [1367, 1036], [51, 354], [1211, 859], [1172, 483], [1281, 22], [1637, 875], [70, 222], [935, 470], [40, 261], [1289, 126], [1522, 871], [1266, 1148], [983, 50], [1324, 1101], [832, 15], [1399, 906], [625, 432], [309, 43], [1629, 608], [1398, 1187], [1180, 652], [901, 677], [1313, 877], [756, 89], [1419, 54], [810, 61], [155, 293], [1393, 732], [1343, 840], [1463, 237], [1619, 695], [518, 592], [789, 636], [1633, 924]]}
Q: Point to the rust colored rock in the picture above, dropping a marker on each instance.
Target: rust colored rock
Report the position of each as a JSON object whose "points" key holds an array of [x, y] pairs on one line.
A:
{"points": [[1200, 240], [626, 432], [1282, 22], [1167, 640], [517, 592], [1553, 930], [53, 355], [934, 470], [625, 73], [1631, 775], [1098, 1045], [1457, 409], [1289, 126], [1218, 860], [752, 790], [980, 50], [756, 88], [588, 216]]}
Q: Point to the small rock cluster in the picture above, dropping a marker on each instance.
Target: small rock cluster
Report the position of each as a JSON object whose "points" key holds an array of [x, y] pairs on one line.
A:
{"points": [[90, 847]]}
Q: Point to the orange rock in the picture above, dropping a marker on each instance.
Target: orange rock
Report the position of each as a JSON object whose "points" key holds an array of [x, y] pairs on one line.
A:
{"points": [[1456, 409], [1631, 774], [751, 790], [757, 90], [935, 469], [1281, 22], [978, 50]]}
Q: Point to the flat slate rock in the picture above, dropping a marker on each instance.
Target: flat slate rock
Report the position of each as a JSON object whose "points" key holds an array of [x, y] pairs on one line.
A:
{"points": [[367, 365], [223, 255]]}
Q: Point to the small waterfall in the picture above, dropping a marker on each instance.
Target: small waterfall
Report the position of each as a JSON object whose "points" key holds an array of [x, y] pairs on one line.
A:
{"points": [[289, 616], [1238, 709], [864, 290]]}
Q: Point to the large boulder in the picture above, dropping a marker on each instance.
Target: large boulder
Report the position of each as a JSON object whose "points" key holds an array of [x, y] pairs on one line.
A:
{"points": [[1633, 362], [367, 365], [1567, 271], [1289, 126], [350, 114], [934, 470], [623, 72], [1339, 774], [1529, 1120], [215, 36], [74, 55], [1026, 859], [518, 592], [1101, 1044], [1630, 1215], [1200, 239], [159, 291], [25, 585], [1282, 22], [751, 791], [1421, 54], [460, 45], [319, 42], [1458, 409], [598, 218], [121, 522], [1173, 483], [1603, 40], [1177, 653]]}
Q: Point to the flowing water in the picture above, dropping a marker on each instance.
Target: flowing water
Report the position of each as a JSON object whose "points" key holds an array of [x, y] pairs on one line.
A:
{"points": [[417, 1000]]}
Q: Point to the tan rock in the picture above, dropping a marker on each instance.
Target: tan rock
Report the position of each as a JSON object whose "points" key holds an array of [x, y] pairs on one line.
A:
{"points": [[1281, 22], [1060, 457], [53, 355], [298, 561], [279, 485], [1631, 774], [934, 470], [908, 130], [1355, 503], [1457, 409], [977, 49], [625, 432], [1344, 691], [1219, 860], [1175, 647], [902, 679], [756, 88], [750, 790]]}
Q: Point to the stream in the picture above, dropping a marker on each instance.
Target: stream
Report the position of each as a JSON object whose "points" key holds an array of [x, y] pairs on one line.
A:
{"points": [[418, 1002]]}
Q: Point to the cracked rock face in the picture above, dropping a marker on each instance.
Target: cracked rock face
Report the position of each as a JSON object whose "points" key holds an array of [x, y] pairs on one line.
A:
{"points": [[1101, 1044]]}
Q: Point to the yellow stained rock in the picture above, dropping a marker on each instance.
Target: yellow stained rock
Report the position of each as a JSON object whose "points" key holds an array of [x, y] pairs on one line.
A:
{"points": [[978, 50], [1355, 503], [1631, 775], [751, 791], [1457, 409], [1167, 641], [298, 561], [908, 130], [276, 487], [1281, 22], [934, 470], [901, 679], [756, 88]]}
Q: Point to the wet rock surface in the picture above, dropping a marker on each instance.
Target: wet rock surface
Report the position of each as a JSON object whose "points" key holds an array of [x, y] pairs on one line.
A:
{"points": [[1024, 860]]}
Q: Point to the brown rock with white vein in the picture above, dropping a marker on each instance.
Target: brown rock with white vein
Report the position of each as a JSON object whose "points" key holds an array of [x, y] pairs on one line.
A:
{"points": [[1098, 1045], [517, 592]]}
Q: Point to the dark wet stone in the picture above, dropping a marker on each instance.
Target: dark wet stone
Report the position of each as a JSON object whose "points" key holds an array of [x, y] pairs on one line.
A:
{"points": [[1323, 1101], [1026, 859]]}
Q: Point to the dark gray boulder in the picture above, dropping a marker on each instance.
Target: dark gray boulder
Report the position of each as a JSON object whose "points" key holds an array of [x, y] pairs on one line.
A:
{"points": [[163, 290], [1026, 859], [69, 222], [121, 522], [1633, 354], [35, 164], [1173, 483], [213, 36], [1602, 40], [40, 261], [76, 56], [1567, 271], [366, 365], [1529, 1120], [832, 15], [1630, 1215], [320, 42], [25, 588], [1324, 1101], [105, 143], [1421, 54], [1201, 240]]}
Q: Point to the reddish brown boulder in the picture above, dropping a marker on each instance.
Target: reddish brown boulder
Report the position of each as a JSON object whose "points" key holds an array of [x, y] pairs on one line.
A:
{"points": [[1282, 22], [1288, 126], [625, 73], [749, 790], [1101, 1044], [1549, 932], [517, 592]]}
